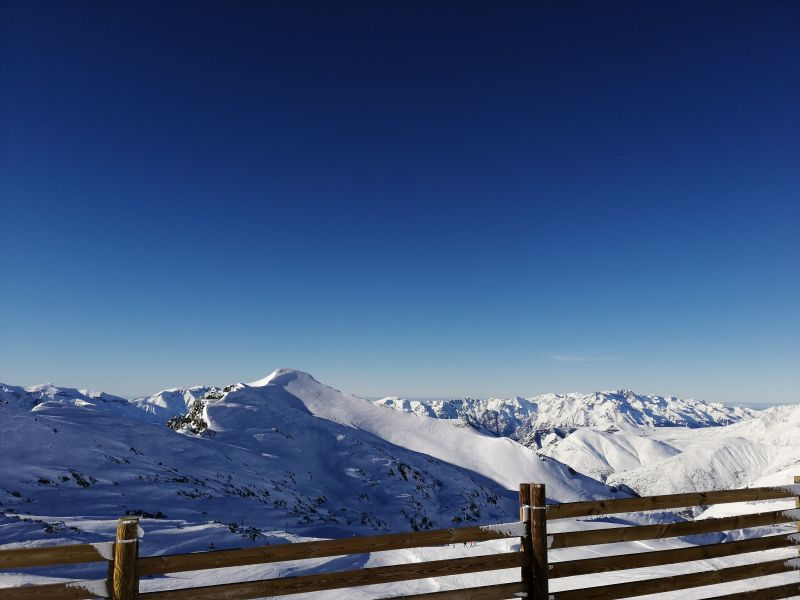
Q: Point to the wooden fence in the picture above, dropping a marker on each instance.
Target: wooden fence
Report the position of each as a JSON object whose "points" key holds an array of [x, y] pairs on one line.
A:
{"points": [[126, 567], [667, 557]]}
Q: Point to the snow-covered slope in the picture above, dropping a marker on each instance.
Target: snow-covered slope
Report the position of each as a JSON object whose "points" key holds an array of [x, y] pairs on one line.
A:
{"points": [[600, 453], [168, 403], [525, 419], [286, 453], [499, 459], [763, 450], [756, 452]]}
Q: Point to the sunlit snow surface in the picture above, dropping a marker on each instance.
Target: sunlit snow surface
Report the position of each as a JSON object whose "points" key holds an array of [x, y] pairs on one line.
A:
{"points": [[518, 417], [288, 459]]}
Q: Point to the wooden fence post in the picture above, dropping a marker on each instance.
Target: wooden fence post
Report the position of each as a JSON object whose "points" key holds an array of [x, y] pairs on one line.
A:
{"points": [[526, 543], [125, 584], [797, 504], [541, 586]]}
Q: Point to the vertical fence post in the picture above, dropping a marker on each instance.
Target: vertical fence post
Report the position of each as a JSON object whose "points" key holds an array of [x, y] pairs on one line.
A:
{"points": [[797, 504], [526, 543], [541, 586], [125, 583]]}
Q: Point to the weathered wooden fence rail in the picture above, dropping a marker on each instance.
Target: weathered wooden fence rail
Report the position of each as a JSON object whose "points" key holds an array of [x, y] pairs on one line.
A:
{"points": [[679, 555], [126, 567]]}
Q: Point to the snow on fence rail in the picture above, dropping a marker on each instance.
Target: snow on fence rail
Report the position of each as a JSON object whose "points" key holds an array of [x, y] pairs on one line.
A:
{"points": [[126, 567], [667, 557]]}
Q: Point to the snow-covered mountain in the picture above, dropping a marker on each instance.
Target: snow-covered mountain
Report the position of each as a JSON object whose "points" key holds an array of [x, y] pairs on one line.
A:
{"points": [[649, 444], [764, 450], [288, 458], [285, 453], [170, 403], [47, 393], [604, 452], [531, 420]]}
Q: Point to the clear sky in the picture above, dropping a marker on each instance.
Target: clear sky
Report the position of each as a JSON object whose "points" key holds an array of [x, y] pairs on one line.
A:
{"points": [[412, 198]]}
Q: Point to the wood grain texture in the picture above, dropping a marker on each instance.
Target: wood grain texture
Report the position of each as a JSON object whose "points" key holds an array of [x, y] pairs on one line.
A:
{"points": [[50, 555], [621, 505], [345, 579], [526, 543], [676, 582], [125, 584], [176, 563], [797, 505], [486, 592], [541, 587], [768, 593], [51, 591], [648, 532], [666, 557]]}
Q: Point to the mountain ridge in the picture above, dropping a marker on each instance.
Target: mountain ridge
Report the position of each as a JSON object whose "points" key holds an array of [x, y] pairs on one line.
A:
{"points": [[524, 419], [289, 454]]}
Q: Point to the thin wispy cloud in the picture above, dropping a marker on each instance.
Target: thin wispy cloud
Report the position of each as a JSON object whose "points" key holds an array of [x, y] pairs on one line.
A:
{"points": [[582, 358]]}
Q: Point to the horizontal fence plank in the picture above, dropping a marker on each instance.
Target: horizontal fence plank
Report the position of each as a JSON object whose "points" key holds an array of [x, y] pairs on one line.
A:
{"points": [[770, 593], [51, 555], [76, 590], [486, 592], [175, 563], [345, 579], [666, 557], [591, 537], [676, 582], [621, 505]]}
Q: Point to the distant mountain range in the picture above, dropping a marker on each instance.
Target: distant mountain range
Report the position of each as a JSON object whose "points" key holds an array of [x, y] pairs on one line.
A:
{"points": [[538, 420], [651, 444]]}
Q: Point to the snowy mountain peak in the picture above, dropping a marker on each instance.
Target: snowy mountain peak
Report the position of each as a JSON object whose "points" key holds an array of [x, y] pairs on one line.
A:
{"points": [[281, 376]]}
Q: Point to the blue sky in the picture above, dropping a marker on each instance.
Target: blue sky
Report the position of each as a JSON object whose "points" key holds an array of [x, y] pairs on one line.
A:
{"points": [[422, 199]]}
